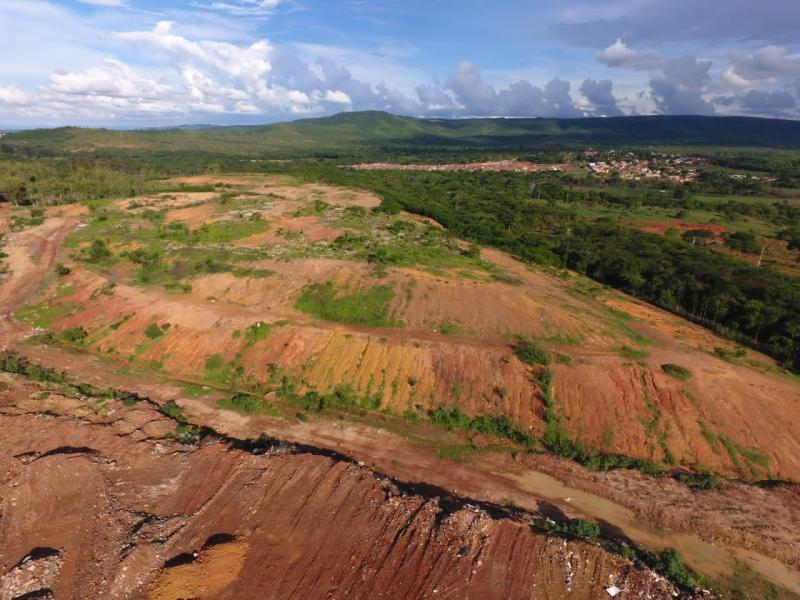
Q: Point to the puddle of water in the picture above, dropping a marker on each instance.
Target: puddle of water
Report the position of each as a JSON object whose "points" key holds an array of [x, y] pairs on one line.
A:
{"points": [[710, 560]]}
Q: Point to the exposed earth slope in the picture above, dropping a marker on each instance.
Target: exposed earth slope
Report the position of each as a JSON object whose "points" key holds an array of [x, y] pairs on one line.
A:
{"points": [[269, 306]]}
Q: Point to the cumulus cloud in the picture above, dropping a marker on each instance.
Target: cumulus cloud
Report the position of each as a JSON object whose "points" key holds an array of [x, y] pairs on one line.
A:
{"points": [[777, 103], [435, 100], [769, 64], [11, 95], [678, 88], [600, 96], [476, 97], [619, 54], [112, 78], [677, 85], [205, 77]]}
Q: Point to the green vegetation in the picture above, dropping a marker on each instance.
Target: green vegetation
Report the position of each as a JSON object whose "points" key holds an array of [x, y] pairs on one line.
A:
{"points": [[11, 362], [702, 480], [42, 316], [677, 372], [342, 398], [368, 307], [498, 426], [155, 331], [173, 411], [251, 405], [531, 353], [632, 353], [353, 133], [75, 335], [257, 332], [448, 328], [669, 563]]}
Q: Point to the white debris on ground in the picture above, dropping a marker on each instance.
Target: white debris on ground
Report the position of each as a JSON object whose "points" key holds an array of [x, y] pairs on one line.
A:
{"points": [[34, 575]]}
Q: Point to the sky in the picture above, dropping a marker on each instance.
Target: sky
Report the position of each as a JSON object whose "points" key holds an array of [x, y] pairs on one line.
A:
{"points": [[142, 63]]}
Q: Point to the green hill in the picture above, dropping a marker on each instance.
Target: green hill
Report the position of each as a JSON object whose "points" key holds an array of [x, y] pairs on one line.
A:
{"points": [[350, 133]]}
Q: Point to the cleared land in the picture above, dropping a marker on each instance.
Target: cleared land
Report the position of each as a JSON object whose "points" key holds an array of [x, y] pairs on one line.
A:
{"points": [[279, 305]]}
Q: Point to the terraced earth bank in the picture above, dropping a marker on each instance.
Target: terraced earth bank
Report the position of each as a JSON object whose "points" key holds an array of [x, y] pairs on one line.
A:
{"points": [[296, 310]]}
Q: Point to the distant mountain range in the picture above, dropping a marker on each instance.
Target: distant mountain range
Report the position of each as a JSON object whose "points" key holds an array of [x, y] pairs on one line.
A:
{"points": [[348, 133]]}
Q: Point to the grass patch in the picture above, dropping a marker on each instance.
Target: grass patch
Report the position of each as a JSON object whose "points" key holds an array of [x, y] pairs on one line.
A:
{"points": [[257, 332], [461, 452], [364, 307], [709, 436], [632, 353], [213, 363], [193, 390], [251, 405], [447, 327], [42, 316]]}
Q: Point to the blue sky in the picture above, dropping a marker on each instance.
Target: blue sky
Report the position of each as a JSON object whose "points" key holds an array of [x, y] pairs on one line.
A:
{"points": [[129, 63]]}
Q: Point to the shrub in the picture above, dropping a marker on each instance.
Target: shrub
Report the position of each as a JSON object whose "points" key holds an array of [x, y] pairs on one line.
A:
{"points": [[62, 270], [75, 335], [97, 251], [531, 353], [174, 412], [669, 563], [743, 241], [583, 529], [677, 371], [153, 331], [698, 481], [187, 434]]}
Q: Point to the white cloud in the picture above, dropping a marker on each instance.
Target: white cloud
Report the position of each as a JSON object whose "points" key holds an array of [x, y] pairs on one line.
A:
{"points": [[11, 95], [619, 54], [337, 97], [242, 8], [600, 96], [521, 98], [103, 2], [113, 78], [767, 64]]}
